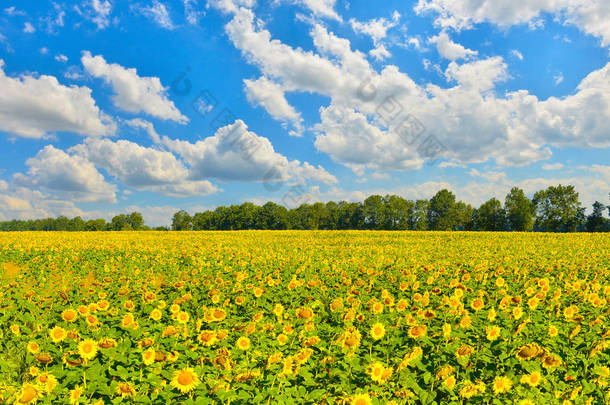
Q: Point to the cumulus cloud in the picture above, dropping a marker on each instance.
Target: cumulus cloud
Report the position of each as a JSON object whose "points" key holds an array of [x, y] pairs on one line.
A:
{"points": [[269, 95], [133, 93], [142, 168], [321, 8], [469, 118], [70, 175], [449, 49], [591, 16], [35, 107], [236, 154], [376, 28]]}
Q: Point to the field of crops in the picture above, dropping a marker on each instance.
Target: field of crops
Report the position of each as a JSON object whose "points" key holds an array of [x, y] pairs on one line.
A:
{"points": [[304, 317]]}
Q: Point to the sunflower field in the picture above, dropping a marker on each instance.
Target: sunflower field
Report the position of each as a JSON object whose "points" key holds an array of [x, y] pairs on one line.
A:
{"points": [[304, 318]]}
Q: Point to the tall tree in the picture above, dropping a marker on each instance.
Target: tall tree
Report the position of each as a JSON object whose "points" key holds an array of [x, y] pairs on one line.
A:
{"points": [[463, 214], [558, 209], [182, 221], [490, 216], [373, 209], [519, 211], [419, 219], [596, 221], [441, 212], [397, 212]]}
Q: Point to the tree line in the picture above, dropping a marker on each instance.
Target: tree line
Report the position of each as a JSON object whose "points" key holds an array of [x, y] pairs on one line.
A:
{"points": [[555, 209]]}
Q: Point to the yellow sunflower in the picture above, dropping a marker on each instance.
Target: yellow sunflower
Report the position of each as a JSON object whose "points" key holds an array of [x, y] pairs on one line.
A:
{"points": [[502, 385], [87, 349], [360, 399], [377, 331], [57, 334], [185, 380], [243, 343]]}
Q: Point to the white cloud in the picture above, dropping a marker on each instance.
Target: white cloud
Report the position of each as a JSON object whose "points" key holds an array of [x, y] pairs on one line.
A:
{"points": [[23, 203], [517, 54], [231, 6], [191, 12], [142, 168], [377, 28], [61, 58], [380, 53], [146, 126], [270, 96], [591, 16], [158, 13], [236, 154], [96, 11], [558, 78], [13, 11], [54, 20], [449, 49], [35, 107], [552, 166], [72, 176], [321, 8], [473, 122], [28, 28], [44, 50], [133, 93]]}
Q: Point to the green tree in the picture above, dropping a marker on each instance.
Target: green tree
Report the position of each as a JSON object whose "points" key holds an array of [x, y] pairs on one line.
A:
{"points": [[490, 216], [463, 214], [136, 221], [519, 211], [373, 209], [182, 221], [441, 212], [397, 212], [558, 209], [596, 221], [419, 218]]}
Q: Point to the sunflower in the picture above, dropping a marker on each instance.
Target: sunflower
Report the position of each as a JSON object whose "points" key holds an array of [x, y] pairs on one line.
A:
{"points": [[33, 347], [379, 372], [477, 304], [278, 310], [533, 379], [464, 351], [528, 351], [69, 315], [377, 331], [446, 331], [551, 361], [125, 390], [57, 334], [156, 314], [185, 380], [493, 332], [87, 349], [75, 394], [243, 343], [29, 394], [282, 339], [417, 331], [360, 399], [207, 337], [47, 382], [107, 343], [502, 385], [377, 307], [553, 331], [449, 382], [182, 317], [148, 356]]}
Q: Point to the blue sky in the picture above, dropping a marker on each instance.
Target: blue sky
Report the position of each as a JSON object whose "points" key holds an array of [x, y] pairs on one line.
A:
{"points": [[96, 117]]}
